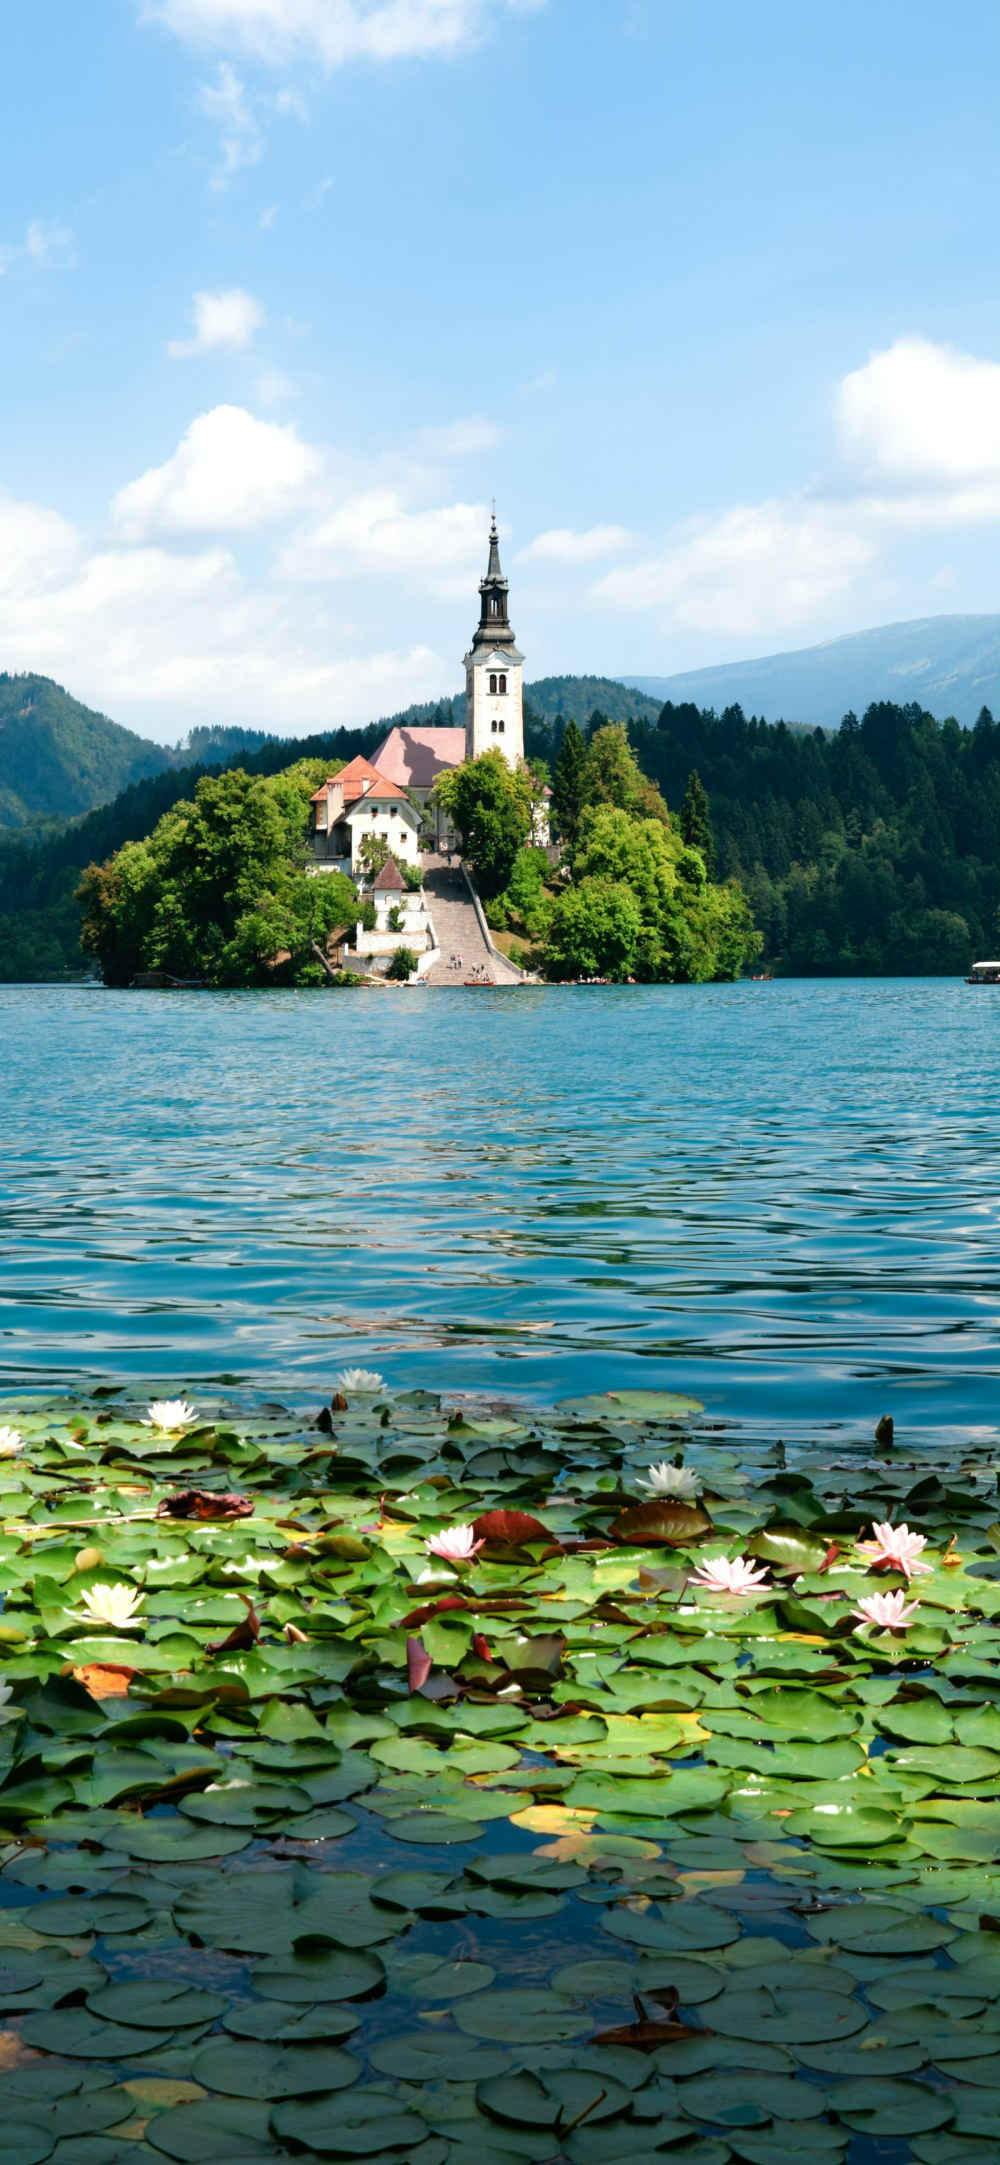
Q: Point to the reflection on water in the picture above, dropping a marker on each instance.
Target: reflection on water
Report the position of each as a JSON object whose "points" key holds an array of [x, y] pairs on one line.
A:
{"points": [[777, 1196]]}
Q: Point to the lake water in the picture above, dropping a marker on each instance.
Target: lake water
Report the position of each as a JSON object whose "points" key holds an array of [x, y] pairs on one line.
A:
{"points": [[778, 1197]]}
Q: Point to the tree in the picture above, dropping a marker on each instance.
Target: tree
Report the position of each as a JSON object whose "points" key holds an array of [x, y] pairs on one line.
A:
{"points": [[595, 932], [218, 890], [490, 804], [567, 785], [695, 821], [373, 853], [612, 775], [402, 963]]}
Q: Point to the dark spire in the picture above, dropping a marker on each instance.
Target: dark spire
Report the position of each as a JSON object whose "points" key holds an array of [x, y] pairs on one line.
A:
{"points": [[494, 625]]}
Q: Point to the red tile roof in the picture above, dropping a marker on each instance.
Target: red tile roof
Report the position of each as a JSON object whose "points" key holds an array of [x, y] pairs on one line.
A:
{"points": [[415, 757], [390, 876], [351, 779]]}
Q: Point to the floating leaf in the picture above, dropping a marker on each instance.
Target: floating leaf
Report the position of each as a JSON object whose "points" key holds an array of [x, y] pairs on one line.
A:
{"points": [[660, 1522], [887, 2108], [316, 1971], [522, 2016], [356, 2126], [423, 2056], [198, 2134], [155, 2006], [266, 2071]]}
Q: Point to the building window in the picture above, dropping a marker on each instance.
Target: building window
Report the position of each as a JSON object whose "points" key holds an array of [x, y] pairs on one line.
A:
{"points": [[493, 725], [500, 725], [502, 684], [493, 684]]}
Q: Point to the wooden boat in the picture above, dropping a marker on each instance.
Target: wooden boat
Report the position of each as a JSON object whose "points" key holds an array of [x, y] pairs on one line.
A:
{"points": [[476, 981]]}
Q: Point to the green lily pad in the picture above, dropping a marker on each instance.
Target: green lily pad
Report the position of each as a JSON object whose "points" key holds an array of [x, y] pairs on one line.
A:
{"points": [[789, 2017], [211, 2128], [522, 2016], [75, 2033], [920, 1721], [155, 2006], [268, 2071], [853, 2059], [76, 1915], [887, 2107], [316, 1971], [241, 1805], [875, 1928], [723, 2099], [426, 2056], [158, 1841], [805, 1713], [363, 2124], [634, 1405], [847, 1826], [687, 1928], [947, 1762], [436, 1829], [24, 2144], [552, 2097], [274, 2022]]}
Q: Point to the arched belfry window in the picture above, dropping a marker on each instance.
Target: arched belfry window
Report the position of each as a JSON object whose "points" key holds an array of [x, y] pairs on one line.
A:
{"points": [[501, 684], [493, 725], [500, 725], [493, 684]]}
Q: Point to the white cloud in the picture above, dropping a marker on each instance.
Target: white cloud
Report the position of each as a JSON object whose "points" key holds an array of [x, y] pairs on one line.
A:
{"points": [[757, 568], [563, 545], [37, 548], [331, 31], [918, 451], [222, 321], [919, 416], [457, 438], [226, 104], [436, 550], [42, 245], [230, 471]]}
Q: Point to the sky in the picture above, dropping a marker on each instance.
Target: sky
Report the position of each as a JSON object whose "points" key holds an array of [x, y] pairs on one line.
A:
{"points": [[704, 295]]}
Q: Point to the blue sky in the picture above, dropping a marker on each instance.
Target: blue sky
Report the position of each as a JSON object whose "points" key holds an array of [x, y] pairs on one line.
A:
{"points": [[705, 295]]}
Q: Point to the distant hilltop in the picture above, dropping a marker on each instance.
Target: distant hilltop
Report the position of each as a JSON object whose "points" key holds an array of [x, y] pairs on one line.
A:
{"points": [[948, 664], [60, 759]]}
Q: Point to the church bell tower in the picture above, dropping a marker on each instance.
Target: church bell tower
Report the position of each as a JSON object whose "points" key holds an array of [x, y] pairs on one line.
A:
{"points": [[494, 668]]}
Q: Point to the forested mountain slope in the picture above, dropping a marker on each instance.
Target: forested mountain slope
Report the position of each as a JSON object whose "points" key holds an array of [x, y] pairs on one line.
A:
{"points": [[872, 850]]}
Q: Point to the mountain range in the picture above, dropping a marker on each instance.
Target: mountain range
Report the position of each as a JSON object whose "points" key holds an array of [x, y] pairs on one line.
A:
{"points": [[948, 664], [59, 758]]}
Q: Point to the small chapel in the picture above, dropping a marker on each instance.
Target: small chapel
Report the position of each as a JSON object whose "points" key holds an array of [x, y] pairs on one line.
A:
{"points": [[377, 796]]}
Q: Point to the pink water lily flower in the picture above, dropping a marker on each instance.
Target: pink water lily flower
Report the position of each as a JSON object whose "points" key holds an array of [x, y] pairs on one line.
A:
{"points": [[891, 1611], [457, 1545], [894, 1545], [738, 1576]]}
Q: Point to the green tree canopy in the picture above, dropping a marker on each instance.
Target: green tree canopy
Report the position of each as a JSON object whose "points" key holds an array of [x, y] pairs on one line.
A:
{"points": [[490, 804], [612, 775], [677, 927], [219, 890], [567, 784], [695, 822]]}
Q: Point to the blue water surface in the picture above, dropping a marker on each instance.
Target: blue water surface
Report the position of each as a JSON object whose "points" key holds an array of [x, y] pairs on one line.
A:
{"points": [[780, 1197]]}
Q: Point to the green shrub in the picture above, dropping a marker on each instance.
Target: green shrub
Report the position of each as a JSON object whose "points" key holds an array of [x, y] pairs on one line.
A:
{"points": [[402, 963]]}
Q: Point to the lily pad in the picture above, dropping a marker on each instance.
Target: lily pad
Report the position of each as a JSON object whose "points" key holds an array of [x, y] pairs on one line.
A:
{"points": [[155, 2006], [159, 1841], [426, 2056], [362, 2124], [314, 1970], [886, 2107], [777, 2017], [874, 1928], [524, 2015], [723, 2099], [268, 2071], [75, 2033], [211, 2128], [552, 2097], [435, 1829], [634, 1405], [685, 1930]]}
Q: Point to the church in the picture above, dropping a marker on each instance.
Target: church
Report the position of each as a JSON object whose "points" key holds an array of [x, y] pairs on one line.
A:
{"points": [[377, 796]]}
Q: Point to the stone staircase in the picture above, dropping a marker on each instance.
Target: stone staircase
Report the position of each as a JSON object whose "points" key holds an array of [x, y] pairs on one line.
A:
{"points": [[457, 927]]}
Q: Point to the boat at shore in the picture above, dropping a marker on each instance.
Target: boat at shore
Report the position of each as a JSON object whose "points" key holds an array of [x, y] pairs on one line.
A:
{"points": [[984, 973]]}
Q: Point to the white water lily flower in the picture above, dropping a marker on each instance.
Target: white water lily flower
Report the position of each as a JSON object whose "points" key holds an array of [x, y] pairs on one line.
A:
{"points": [[680, 1482], [891, 1611], [11, 1442], [725, 1575], [169, 1413], [363, 1380], [114, 1605]]}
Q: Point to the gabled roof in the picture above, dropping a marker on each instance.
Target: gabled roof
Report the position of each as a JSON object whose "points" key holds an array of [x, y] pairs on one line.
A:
{"points": [[351, 779], [415, 757], [389, 877]]}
